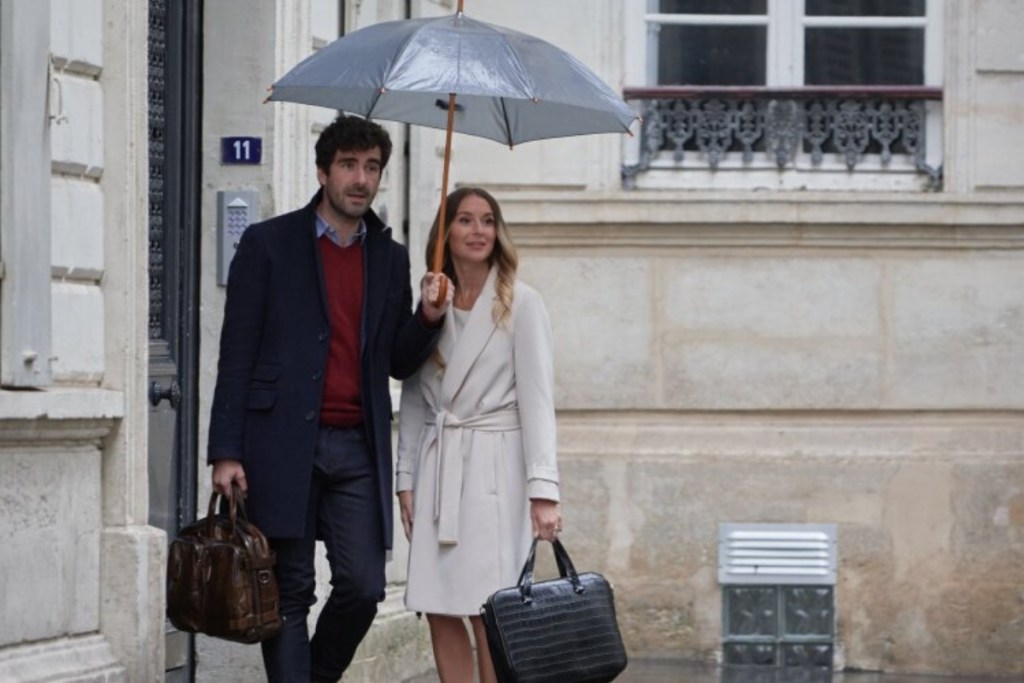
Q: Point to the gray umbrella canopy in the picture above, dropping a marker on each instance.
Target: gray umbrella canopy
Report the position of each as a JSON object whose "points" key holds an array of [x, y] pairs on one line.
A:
{"points": [[511, 87]]}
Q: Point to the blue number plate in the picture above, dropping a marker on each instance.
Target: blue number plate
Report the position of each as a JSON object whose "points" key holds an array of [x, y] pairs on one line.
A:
{"points": [[241, 150]]}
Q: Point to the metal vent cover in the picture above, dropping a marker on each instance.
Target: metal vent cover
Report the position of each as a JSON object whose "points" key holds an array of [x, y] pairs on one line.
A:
{"points": [[777, 554]]}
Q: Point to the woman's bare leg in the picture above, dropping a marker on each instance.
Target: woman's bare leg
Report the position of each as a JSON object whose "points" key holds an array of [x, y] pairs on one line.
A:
{"points": [[453, 652], [483, 653]]}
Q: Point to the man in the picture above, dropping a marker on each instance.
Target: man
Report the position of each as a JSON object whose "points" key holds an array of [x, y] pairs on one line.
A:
{"points": [[318, 314]]}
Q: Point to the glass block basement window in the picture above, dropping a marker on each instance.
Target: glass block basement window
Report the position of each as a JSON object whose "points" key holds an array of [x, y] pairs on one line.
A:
{"points": [[778, 625], [778, 598]]}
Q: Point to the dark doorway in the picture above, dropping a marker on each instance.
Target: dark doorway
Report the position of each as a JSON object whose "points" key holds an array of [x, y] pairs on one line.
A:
{"points": [[175, 58]]}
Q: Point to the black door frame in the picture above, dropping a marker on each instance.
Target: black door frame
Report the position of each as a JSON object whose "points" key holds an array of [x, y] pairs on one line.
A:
{"points": [[185, 25], [175, 138], [174, 329]]}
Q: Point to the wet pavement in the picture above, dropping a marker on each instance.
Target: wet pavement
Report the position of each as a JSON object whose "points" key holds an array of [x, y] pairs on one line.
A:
{"points": [[660, 671]]}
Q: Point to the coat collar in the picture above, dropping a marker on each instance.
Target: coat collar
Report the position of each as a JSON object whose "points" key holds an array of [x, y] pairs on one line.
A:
{"points": [[461, 351], [377, 274]]}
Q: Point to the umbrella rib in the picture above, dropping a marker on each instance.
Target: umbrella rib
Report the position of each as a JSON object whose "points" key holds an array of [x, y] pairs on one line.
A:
{"points": [[369, 112], [387, 73], [524, 72], [508, 125]]}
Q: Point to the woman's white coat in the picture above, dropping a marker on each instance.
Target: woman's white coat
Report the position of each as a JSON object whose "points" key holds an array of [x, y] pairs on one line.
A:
{"points": [[476, 442]]}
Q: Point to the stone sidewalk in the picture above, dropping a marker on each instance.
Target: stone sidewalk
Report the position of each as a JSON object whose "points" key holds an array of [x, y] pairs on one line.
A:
{"points": [[659, 671]]}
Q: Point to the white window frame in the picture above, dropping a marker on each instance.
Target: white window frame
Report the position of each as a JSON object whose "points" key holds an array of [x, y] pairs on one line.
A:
{"points": [[786, 23], [25, 298]]}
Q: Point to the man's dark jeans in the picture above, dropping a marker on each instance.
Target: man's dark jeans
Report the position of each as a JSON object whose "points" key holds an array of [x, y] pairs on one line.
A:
{"points": [[344, 513]]}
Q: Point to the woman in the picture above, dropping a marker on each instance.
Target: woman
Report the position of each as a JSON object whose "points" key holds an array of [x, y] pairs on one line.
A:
{"points": [[477, 476]]}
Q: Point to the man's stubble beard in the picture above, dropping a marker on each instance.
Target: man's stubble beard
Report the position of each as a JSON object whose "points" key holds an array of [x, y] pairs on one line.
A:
{"points": [[355, 214]]}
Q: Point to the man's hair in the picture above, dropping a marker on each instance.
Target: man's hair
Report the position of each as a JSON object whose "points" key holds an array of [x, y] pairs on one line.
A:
{"points": [[352, 134]]}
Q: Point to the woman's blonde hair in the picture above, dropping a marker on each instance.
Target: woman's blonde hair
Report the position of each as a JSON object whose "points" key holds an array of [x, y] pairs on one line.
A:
{"points": [[504, 252]]}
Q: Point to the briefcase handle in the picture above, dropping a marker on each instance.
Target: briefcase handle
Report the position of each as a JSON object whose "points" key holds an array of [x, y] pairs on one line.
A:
{"points": [[236, 506], [565, 569]]}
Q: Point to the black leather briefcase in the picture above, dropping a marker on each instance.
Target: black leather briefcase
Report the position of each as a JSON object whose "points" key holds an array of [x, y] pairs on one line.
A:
{"points": [[558, 631]]}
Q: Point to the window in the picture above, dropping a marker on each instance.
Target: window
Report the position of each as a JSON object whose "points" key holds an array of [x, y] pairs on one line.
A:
{"points": [[773, 43], [778, 625], [827, 87]]}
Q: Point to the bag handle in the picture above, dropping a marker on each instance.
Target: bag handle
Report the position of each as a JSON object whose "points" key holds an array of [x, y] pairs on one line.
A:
{"points": [[236, 505], [565, 569]]}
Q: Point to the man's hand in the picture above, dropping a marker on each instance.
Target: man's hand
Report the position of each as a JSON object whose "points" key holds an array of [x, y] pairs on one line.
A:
{"points": [[430, 286], [225, 472]]}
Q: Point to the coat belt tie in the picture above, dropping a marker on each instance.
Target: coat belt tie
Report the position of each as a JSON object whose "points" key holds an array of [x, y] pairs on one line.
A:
{"points": [[448, 431]]}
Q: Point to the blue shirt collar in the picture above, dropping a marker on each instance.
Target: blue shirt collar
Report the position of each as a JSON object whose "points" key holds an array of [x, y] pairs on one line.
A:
{"points": [[324, 228]]}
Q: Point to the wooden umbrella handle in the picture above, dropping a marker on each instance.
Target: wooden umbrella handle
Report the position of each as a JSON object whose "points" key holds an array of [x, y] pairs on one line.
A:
{"points": [[442, 290], [438, 263]]}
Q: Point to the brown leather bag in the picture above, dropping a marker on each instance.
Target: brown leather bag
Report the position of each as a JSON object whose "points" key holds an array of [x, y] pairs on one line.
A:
{"points": [[220, 577]]}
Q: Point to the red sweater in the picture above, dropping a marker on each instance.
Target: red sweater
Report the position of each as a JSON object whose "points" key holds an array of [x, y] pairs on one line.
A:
{"points": [[343, 279]]}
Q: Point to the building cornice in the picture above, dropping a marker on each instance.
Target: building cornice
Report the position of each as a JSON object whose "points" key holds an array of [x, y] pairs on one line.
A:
{"points": [[58, 416], [937, 436], [817, 220]]}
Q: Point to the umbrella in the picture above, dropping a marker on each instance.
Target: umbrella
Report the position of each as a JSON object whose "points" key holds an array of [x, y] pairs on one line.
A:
{"points": [[456, 73]]}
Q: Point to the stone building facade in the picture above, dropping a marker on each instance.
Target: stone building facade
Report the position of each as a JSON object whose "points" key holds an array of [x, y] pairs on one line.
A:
{"points": [[764, 338]]}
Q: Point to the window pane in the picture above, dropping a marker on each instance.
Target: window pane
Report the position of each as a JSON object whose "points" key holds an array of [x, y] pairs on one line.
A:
{"points": [[864, 56], [713, 6], [865, 8], [712, 55]]}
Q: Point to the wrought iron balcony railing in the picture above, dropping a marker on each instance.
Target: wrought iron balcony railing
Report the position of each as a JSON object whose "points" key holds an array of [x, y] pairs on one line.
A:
{"points": [[854, 122]]}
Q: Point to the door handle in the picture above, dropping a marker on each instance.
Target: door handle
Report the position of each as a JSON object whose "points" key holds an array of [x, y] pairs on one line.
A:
{"points": [[158, 393]]}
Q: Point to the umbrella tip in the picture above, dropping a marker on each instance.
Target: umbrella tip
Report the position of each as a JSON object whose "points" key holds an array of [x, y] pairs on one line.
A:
{"points": [[629, 129]]}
